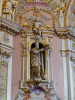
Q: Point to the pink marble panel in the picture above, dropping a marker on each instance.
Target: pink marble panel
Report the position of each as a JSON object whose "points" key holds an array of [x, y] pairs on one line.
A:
{"points": [[58, 75], [16, 66]]}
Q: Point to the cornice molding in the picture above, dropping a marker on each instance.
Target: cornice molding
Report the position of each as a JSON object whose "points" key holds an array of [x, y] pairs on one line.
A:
{"points": [[66, 32], [10, 26], [67, 53], [11, 48]]}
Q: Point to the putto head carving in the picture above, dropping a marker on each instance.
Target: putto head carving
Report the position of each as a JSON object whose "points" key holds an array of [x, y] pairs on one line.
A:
{"points": [[37, 9]]}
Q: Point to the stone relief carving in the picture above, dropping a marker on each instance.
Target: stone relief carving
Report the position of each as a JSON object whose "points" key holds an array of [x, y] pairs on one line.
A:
{"points": [[21, 6], [3, 80], [38, 93], [4, 54], [37, 26], [31, 17], [5, 37], [37, 13], [57, 5], [21, 95], [72, 15], [73, 46], [52, 5]]}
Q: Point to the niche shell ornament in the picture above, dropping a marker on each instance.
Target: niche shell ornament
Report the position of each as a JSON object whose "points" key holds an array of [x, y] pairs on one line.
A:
{"points": [[5, 37]]}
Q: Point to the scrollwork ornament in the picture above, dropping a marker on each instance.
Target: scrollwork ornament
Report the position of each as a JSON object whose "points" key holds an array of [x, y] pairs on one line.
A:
{"points": [[5, 37]]}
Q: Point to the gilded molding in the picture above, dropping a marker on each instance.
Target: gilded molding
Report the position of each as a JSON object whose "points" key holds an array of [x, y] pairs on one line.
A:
{"points": [[67, 51], [44, 1], [6, 46], [22, 14], [26, 91], [60, 8], [53, 22], [7, 54], [20, 20]]}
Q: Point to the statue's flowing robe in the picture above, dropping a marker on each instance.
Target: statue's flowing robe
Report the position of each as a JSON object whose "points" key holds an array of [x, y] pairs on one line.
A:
{"points": [[37, 59]]}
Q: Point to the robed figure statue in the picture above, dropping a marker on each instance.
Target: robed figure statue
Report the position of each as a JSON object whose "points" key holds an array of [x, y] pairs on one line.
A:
{"points": [[37, 61]]}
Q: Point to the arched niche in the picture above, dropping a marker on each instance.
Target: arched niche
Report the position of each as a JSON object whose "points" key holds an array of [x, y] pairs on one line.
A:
{"points": [[37, 58]]}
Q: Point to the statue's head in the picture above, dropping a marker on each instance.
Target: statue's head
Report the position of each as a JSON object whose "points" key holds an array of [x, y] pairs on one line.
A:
{"points": [[37, 19]]}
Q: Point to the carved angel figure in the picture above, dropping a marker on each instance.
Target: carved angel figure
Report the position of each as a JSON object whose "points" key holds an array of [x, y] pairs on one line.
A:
{"points": [[37, 27]]}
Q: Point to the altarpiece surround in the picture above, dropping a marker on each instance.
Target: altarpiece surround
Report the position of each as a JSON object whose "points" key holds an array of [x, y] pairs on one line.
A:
{"points": [[37, 53], [38, 30], [35, 40]]}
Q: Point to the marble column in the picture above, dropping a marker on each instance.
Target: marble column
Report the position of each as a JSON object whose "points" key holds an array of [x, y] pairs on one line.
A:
{"points": [[66, 54]]}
